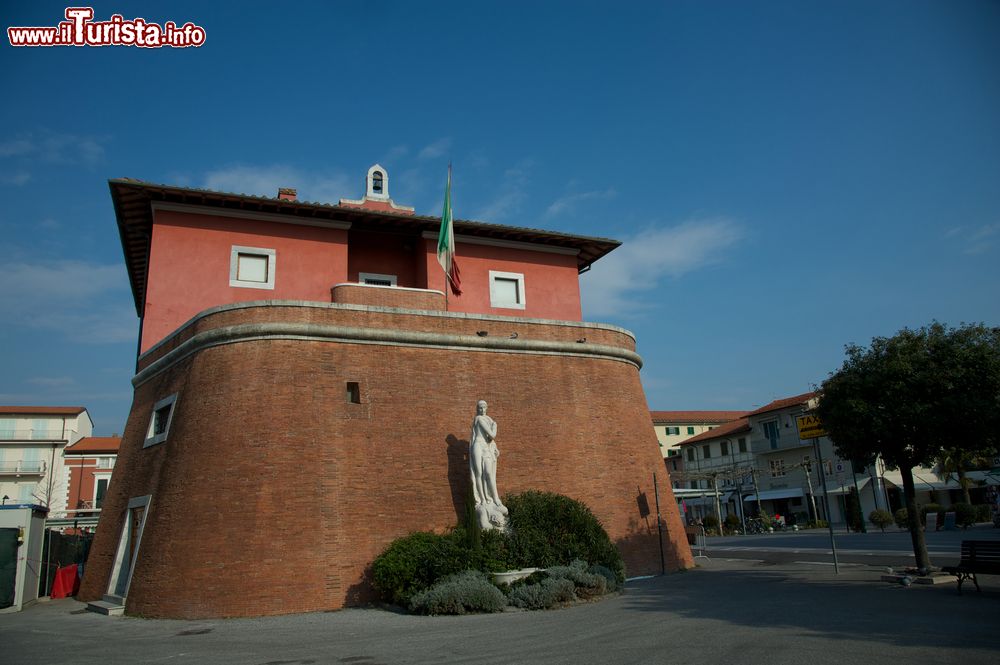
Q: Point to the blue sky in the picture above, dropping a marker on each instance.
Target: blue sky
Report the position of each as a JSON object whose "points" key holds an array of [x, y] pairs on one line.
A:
{"points": [[787, 177]]}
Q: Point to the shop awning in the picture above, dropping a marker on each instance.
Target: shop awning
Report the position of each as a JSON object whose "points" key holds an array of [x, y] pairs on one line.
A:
{"points": [[786, 493], [843, 489]]}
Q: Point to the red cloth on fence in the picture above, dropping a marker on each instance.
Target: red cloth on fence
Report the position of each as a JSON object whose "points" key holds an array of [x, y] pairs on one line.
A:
{"points": [[66, 583]]}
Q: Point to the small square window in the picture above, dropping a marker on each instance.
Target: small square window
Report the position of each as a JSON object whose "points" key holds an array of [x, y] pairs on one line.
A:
{"points": [[159, 421], [353, 392], [252, 267], [672, 431], [690, 430], [506, 290]]}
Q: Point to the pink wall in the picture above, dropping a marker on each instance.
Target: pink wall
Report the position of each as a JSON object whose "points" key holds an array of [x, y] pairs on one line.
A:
{"points": [[189, 266], [551, 281], [385, 254], [190, 259]]}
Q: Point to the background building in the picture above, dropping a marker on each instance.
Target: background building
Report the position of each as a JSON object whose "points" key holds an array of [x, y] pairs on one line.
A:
{"points": [[89, 463], [673, 427], [32, 440]]}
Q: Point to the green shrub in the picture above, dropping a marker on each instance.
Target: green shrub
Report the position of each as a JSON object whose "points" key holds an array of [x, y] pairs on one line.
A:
{"points": [[413, 563], [542, 595], [880, 518], [607, 574], [463, 592], [732, 522], [587, 584], [932, 508], [983, 512], [552, 530], [901, 516], [819, 524], [965, 514], [711, 523]]}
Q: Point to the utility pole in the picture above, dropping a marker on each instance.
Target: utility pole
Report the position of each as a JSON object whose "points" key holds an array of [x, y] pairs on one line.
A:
{"points": [[718, 505], [812, 495], [756, 490]]}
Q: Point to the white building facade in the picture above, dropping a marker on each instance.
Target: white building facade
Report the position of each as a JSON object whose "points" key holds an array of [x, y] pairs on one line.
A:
{"points": [[32, 465]]}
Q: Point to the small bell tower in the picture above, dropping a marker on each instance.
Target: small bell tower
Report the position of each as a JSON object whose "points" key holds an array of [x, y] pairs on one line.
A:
{"points": [[377, 193]]}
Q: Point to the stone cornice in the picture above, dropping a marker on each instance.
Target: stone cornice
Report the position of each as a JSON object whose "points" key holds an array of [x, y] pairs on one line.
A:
{"points": [[354, 335]]}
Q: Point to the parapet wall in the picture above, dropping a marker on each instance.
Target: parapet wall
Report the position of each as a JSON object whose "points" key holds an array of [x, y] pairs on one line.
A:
{"points": [[274, 491]]}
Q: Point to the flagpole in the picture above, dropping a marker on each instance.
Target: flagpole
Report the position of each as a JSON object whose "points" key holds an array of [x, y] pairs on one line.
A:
{"points": [[442, 221]]}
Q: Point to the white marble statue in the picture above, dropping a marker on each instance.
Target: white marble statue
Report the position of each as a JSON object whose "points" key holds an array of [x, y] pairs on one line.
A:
{"points": [[483, 454]]}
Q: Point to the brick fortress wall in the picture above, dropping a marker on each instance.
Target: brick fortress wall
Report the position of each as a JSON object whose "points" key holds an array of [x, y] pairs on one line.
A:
{"points": [[273, 492]]}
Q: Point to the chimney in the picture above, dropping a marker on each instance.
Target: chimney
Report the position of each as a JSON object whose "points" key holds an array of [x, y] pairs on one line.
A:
{"points": [[287, 193]]}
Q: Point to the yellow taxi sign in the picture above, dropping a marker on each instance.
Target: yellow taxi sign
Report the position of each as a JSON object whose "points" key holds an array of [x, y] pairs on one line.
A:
{"points": [[810, 427]]}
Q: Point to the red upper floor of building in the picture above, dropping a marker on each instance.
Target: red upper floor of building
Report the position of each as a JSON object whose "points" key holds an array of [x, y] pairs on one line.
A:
{"points": [[188, 250]]}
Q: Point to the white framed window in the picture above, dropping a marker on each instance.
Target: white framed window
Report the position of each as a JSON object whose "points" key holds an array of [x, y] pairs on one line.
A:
{"points": [[675, 431], [777, 468], [159, 421], [506, 290], [100, 490], [376, 279], [252, 267]]}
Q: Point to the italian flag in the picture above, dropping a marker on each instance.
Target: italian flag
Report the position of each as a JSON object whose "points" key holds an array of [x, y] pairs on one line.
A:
{"points": [[446, 243]]}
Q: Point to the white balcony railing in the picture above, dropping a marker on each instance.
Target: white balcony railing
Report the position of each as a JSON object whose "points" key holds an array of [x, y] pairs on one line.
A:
{"points": [[22, 468], [36, 434]]}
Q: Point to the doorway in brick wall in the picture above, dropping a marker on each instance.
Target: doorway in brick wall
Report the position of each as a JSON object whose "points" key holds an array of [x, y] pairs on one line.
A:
{"points": [[128, 546]]}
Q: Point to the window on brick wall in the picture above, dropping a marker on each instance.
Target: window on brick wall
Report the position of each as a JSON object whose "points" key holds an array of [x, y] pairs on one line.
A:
{"points": [[100, 489], [160, 420]]}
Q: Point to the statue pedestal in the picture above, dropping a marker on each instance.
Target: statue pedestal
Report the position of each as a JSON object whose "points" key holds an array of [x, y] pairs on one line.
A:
{"points": [[491, 516]]}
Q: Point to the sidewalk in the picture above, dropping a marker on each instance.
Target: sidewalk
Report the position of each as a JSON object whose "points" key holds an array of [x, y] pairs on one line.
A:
{"points": [[725, 611]]}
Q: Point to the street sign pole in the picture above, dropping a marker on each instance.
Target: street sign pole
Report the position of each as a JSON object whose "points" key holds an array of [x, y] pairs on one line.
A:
{"points": [[810, 427], [826, 506]]}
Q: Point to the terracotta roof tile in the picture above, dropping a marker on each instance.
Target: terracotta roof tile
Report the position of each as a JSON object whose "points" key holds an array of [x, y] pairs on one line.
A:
{"points": [[727, 429], [695, 416], [95, 444], [784, 403]]}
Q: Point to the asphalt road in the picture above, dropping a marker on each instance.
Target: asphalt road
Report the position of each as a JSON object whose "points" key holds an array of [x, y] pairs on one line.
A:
{"points": [[730, 612], [892, 548]]}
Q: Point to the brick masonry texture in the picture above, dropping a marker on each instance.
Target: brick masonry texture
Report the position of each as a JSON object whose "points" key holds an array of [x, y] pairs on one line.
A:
{"points": [[273, 493], [356, 294]]}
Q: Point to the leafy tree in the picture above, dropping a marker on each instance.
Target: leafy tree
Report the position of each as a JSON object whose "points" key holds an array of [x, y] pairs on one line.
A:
{"points": [[905, 398]]}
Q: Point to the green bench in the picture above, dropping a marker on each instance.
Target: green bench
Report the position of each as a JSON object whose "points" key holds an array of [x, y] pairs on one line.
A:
{"points": [[978, 556]]}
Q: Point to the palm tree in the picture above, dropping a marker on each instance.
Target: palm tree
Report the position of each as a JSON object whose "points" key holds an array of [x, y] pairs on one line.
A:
{"points": [[952, 464]]}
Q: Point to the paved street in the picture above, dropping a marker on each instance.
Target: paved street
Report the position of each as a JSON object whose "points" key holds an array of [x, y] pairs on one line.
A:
{"points": [[892, 548], [726, 611]]}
